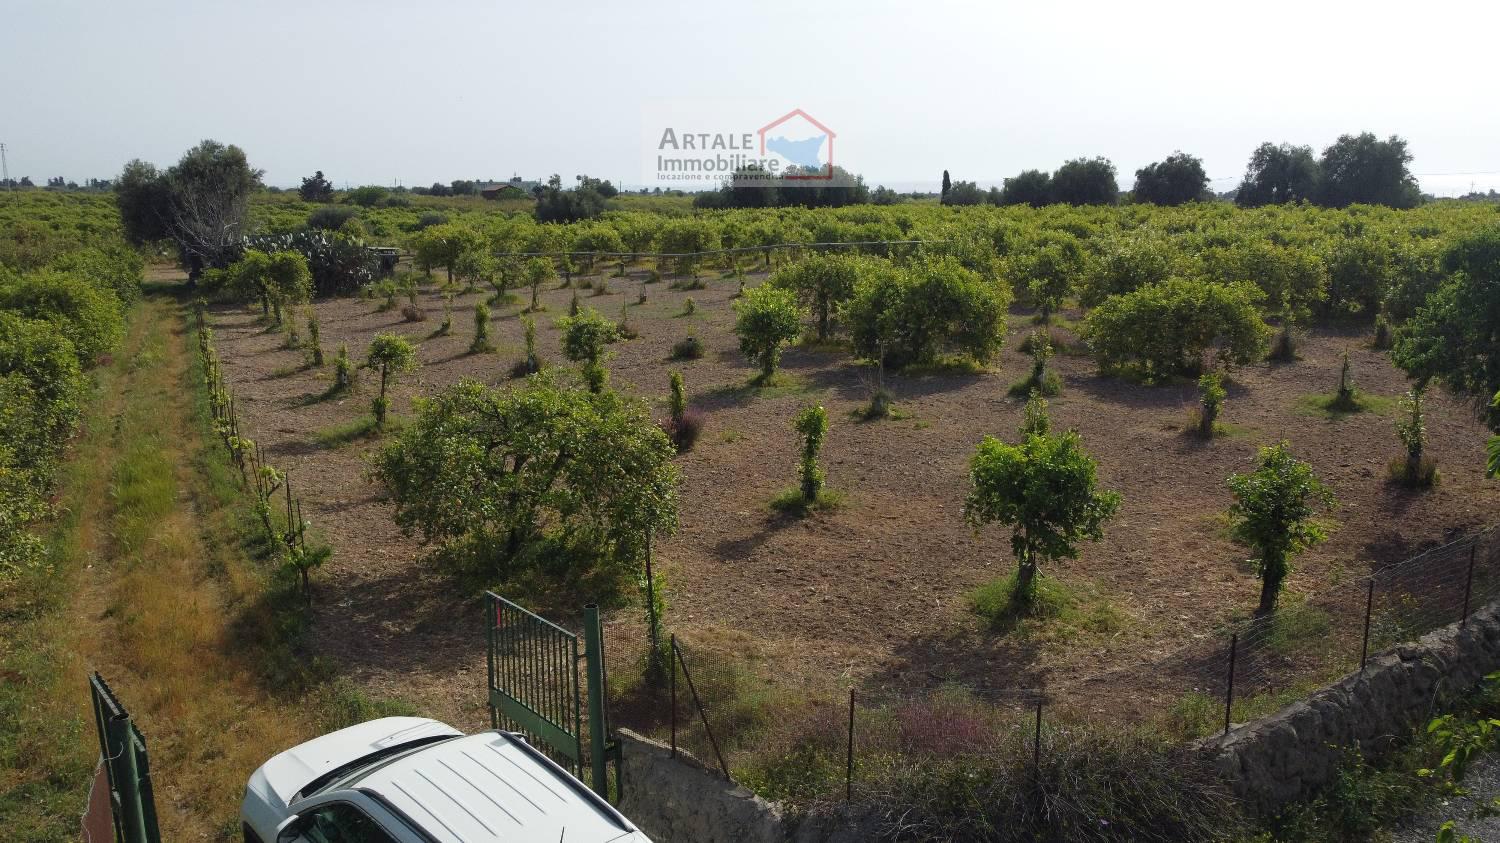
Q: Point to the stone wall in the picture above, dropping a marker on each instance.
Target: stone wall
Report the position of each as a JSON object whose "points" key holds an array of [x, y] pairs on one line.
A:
{"points": [[681, 800], [1288, 755]]}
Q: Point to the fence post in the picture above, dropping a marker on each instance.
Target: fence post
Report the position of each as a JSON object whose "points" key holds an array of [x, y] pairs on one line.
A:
{"points": [[1234, 646], [127, 779], [594, 656], [1469, 583], [1364, 652], [702, 715], [849, 760], [653, 664], [672, 677]]}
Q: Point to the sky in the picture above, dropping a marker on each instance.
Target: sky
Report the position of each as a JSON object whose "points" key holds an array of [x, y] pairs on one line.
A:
{"points": [[388, 92]]}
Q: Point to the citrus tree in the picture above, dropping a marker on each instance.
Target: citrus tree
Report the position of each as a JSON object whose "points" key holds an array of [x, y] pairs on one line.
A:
{"points": [[1166, 329], [1273, 514], [506, 470], [822, 282], [1044, 488], [446, 245], [766, 318], [391, 354], [584, 339], [915, 314]]}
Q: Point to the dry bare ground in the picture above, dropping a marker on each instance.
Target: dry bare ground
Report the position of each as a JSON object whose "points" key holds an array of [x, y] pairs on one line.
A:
{"points": [[874, 592]]}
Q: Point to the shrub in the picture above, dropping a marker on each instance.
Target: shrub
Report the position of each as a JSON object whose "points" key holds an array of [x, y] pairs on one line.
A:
{"points": [[1284, 346], [914, 314], [90, 317], [1166, 329], [689, 307], [112, 267], [584, 339], [1273, 514], [481, 342], [343, 371], [767, 318], [339, 264], [1034, 418], [532, 362], [1383, 337], [412, 313], [331, 217], [1045, 273], [682, 426], [1039, 381], [1345, 398], [687, 348], [1411, 428], [822, 282], [314, 338], [1126, 265], [1211, 396], [391, 354]]}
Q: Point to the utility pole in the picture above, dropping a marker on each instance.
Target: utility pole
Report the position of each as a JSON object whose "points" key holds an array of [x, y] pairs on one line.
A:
{"points": [[4, 169]]}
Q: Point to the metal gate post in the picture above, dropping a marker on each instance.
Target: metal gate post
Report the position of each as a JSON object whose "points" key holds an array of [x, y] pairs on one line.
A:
{"points": [[593, 638], [127, 779]]}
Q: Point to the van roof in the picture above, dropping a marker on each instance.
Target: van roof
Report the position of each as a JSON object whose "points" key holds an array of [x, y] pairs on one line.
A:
{"points": [[494, 786]]}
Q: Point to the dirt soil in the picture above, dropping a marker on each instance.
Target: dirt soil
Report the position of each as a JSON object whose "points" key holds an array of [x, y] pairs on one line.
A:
{"points": [[874, 592]]}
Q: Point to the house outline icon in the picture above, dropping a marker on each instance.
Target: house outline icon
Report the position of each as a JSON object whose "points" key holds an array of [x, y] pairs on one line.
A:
{"points": [[827, 173]]}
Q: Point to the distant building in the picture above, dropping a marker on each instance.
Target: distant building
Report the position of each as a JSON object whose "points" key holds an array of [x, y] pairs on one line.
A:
{"points": [[516, 188]]}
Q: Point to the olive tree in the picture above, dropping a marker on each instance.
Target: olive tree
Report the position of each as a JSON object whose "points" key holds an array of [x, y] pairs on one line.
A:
{"points": [[1274, 514], [1044, 488], [492, 470], [766, 318], [391, 354]]}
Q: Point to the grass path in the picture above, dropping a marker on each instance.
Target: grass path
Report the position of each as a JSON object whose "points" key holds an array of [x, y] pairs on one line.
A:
{"points": [[146, 585]]}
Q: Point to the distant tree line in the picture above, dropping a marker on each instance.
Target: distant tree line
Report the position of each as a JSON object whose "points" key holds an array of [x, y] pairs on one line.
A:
{"points": [[1355, 169], [753, 186]]}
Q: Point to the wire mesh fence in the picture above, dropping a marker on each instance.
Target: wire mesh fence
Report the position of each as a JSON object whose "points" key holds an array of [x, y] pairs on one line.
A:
{"points": [[860, 741]]}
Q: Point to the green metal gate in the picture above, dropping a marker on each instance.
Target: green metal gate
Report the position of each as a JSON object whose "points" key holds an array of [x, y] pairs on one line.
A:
{"points": [[534, 687], [126, 766]]}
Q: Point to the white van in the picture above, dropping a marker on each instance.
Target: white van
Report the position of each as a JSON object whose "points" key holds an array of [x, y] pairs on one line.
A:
{"points": [[415, 780]]}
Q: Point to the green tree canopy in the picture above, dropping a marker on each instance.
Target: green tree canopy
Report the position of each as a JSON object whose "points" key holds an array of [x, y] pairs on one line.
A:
{"points": [[1166, 329], [766, 318], [932, 307], [89, 316], [1364, 169], [502, 469], [822, 282], [1273, 514], [1177, 179], [1085, 181], [1455, 336], [447, 245], [1278, 174], [1029, 187], [1045, 490]]}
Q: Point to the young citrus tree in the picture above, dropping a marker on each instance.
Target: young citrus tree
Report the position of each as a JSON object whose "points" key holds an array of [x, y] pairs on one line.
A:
{"points": [[500, 471], [446, 245], [1273, 514], [822, 282], [812, 423], [538, 272], [1045, 489], [288, 282], [766, 318], [391, 354], [584, 339]]}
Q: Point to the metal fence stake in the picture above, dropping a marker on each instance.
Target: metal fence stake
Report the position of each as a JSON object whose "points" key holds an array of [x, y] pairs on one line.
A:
{"points": [[1468, 584], [673, 679], [594, 664], [849, 761], [702, 715], [1036, 746], [1234, 646], [1364, 652]]}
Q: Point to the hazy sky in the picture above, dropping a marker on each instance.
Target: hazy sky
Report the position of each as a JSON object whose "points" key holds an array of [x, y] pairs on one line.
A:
{"points": [[381, 91]]}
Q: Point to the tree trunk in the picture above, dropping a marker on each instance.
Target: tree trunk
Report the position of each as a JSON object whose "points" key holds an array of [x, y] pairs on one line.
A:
{"points": [[1270, 589], [1025, 581]]}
